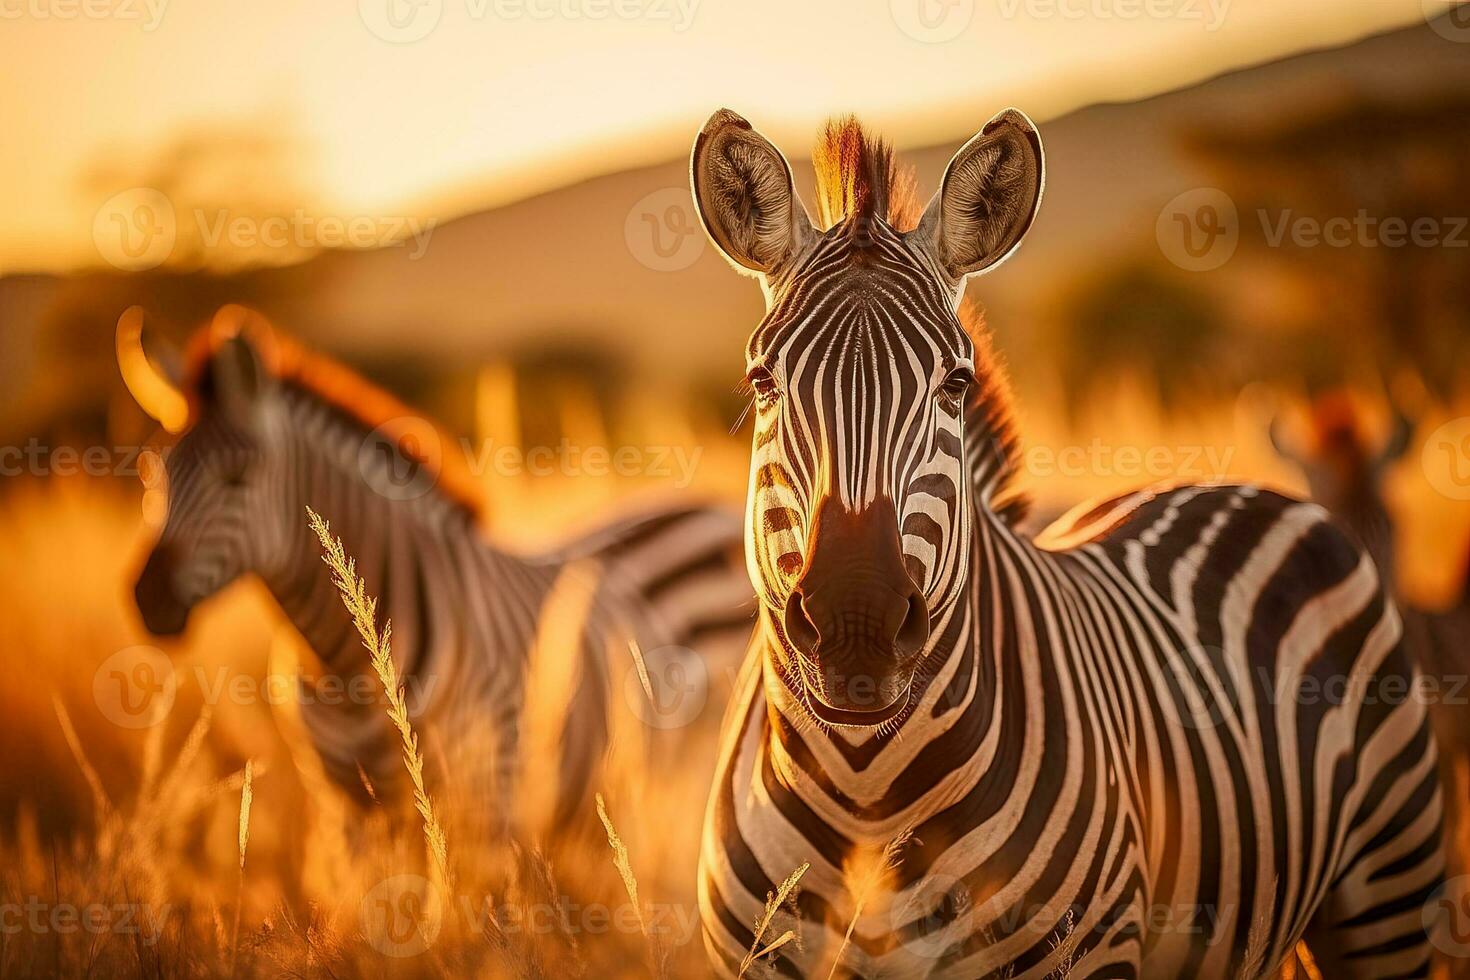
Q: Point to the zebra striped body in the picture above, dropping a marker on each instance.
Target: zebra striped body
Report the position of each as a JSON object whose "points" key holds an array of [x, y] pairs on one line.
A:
{"points": [[475, 628], [1171, 742], [1345, 473], [1107, 769]]}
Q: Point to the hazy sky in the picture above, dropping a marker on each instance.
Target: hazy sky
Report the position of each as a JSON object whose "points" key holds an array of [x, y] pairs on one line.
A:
{"points": [[395, 107]]}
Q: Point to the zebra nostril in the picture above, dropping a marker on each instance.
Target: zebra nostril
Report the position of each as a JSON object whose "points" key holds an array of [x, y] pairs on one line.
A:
{"points": [[800, 629], [913, 632]]}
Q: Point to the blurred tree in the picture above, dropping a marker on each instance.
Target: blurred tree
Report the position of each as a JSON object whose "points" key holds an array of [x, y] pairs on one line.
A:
{"points": [[215, 179], [235, 192], [1134, 317], [1389, 287]]}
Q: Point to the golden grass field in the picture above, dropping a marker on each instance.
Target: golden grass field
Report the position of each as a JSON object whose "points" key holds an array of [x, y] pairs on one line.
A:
{"points": [[140, 831], [134, 852]]}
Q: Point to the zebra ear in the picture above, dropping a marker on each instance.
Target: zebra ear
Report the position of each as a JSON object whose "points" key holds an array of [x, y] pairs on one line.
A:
{"points": [[238, 378], [1399, 440], [240, 369], [988, 198], [151, 370], [745, 195]]}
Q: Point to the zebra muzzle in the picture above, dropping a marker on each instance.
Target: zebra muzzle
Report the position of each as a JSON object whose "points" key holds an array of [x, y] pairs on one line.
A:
{"points": [[858, 699], [858, 658], [856, 620], [163, 612]]}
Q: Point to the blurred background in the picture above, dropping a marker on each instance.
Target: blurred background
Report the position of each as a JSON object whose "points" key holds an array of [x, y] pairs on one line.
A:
{"points": [[1255, 208]]}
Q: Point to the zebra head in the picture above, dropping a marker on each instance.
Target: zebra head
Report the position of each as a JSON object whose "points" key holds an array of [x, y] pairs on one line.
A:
{"points": [[1346, 470], [225, 479], [858, 524]]}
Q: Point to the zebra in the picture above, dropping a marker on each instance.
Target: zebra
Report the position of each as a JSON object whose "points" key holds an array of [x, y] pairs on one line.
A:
{"points": [[274, 429], [1104, 753], [1345, 472]]}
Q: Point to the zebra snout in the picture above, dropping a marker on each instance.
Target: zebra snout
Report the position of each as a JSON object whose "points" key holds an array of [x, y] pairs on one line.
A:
{"points": [[880, 620], [856, 590], [163, 612], [857, 654]]}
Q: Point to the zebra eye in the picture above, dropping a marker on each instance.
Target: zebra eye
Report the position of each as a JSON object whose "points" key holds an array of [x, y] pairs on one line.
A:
{"points": [[957, 385], [763, 384]]}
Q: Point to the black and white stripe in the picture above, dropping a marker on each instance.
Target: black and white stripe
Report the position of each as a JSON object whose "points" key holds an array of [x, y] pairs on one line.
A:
{"points": [[1346, 472], [474, 627], [1173, 740]]}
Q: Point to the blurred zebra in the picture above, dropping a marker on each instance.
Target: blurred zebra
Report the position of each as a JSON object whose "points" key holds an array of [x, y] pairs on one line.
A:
{"points": [[273, 429], [1106, 756], [1345, 472]]}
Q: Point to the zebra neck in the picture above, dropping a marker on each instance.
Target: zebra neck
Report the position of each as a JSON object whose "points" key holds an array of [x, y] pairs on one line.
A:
{"points": [[979, 695], [413, 550]]}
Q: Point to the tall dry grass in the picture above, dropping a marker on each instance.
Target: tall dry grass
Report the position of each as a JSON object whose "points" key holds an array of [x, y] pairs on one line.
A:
{"points": [[212, 843], [143, 843], [363, 608]]}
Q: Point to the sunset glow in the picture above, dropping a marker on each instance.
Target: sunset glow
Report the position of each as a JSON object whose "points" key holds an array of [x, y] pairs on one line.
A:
{"points": [[438, 119]]}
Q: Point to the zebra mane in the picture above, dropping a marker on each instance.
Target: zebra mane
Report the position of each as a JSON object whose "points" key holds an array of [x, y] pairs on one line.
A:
{"points": [[356, 401], [995, 439], [856, 176]]}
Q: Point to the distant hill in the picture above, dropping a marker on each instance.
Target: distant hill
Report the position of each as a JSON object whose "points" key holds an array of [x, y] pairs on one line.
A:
{"points": [[558, 268]]}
